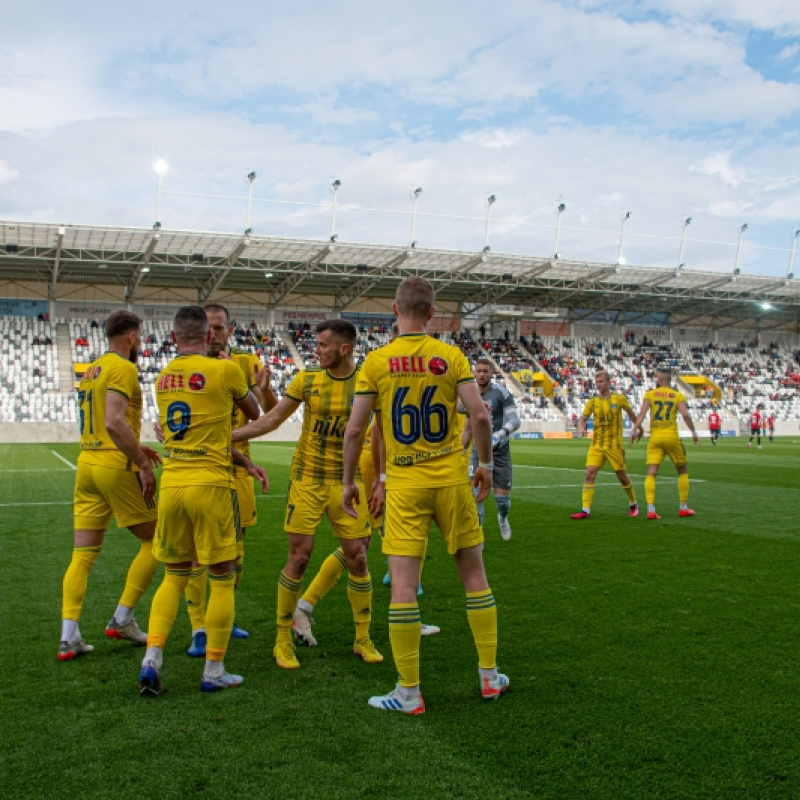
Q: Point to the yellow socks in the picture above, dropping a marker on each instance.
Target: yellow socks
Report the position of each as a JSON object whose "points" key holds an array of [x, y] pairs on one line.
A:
{"points": [[404, 636], [196, 597], [359, 593], [239, 560], [288, 594], [165, 605], [683, 488], [140, 575], [587, 496], [482, 616], [220, 615], [76, 579], [332, 569], [630, 492], [650, 489]]}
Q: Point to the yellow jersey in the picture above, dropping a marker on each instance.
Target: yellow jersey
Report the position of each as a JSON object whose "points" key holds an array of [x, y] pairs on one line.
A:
{"points": [[249, 363], [328, 402], [194, 395], [664, 411], [607, 413], [109, 373], [415, 382]]}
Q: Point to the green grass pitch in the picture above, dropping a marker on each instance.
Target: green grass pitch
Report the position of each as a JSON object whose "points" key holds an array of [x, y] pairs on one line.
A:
{"points": [[647, 659]]}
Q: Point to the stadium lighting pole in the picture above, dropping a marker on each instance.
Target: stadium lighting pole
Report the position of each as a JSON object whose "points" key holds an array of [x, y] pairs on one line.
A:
{"points": [[561, 209], [686, 223], [739, 248], [490, 201], [620, 257], [160, 167], [335, 190], [791, 254], [251, 179], [414, 198]]}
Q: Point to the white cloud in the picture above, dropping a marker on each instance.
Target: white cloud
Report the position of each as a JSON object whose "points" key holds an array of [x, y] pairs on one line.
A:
{"points": [[7, 174]]}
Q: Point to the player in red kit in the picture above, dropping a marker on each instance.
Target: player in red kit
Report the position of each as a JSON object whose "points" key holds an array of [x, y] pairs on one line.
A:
{"points": [[755, 428], [771, 426], [714, 422]]}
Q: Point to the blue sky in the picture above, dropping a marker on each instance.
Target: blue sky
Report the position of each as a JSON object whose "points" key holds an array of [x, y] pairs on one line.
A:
{"points": [[669, 110]]}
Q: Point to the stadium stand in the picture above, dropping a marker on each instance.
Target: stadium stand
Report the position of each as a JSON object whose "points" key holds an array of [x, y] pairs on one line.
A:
{"points": [[735, 378]]}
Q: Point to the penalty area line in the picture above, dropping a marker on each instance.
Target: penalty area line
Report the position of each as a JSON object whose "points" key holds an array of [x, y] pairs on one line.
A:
{"points": [[61, 458]]}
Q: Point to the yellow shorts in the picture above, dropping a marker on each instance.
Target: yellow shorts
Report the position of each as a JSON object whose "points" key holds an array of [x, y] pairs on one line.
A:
{"points": [[307, 503], [246, 495], [368, 476], [409, 513], [104, 492], [659, 449], [596, 457], [196, 523]]}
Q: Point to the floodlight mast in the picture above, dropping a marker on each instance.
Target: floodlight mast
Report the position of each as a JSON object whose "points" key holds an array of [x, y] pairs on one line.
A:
{"points": [[620, 257], [415, 199], [791, 254], [490, 201], [742, 229], [335, 190], [251, 179], [686, 223], [159, 168], [559, 211]]}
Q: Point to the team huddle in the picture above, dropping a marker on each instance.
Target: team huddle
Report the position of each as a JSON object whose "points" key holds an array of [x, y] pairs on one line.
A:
{"points": [[403, 402], [409, 438]]}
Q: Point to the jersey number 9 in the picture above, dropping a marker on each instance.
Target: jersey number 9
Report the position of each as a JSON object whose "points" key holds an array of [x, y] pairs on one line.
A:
{"points": [[179, 417]]}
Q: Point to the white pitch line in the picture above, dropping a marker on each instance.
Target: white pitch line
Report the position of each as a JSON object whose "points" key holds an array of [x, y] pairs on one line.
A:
{"points": [[573, 469], [47, 469], [61, 458]]}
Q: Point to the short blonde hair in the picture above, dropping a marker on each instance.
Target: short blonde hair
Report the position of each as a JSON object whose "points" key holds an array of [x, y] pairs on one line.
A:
{"points": [[415, 297]]}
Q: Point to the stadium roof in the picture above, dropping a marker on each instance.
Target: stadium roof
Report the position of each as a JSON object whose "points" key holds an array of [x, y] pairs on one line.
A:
{"points": [[487, 282]]}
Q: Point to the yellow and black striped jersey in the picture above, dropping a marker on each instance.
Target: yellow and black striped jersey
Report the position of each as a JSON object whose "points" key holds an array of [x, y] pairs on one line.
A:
{"points": [[415, 382], [664, 410], [194, 395], [250, 364], [607, 414], [109, 373], [328, 401]]}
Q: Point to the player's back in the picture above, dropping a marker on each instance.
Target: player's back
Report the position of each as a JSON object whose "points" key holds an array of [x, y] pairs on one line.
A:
{"points": [[415, 379], [195, 395], [664, 402], [109, 373]]}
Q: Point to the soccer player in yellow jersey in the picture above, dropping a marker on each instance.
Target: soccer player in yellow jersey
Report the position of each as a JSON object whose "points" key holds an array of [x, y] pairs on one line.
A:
{"points": [[326, 393], [372, 465], [114, 478], [416, 382], [197, 504], [606, 408], [664, 404], [257, 377]]}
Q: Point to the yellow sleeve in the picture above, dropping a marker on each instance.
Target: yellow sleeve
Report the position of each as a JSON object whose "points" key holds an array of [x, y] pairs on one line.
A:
{"points": [[680, 397], [123, 378], [623, 402], [462, 372], [295, 390], [234, 380], [587, 409], [365, 382]]}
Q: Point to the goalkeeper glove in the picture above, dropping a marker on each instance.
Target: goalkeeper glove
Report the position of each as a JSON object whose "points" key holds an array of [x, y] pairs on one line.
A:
{"points": [[499, 437]]}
